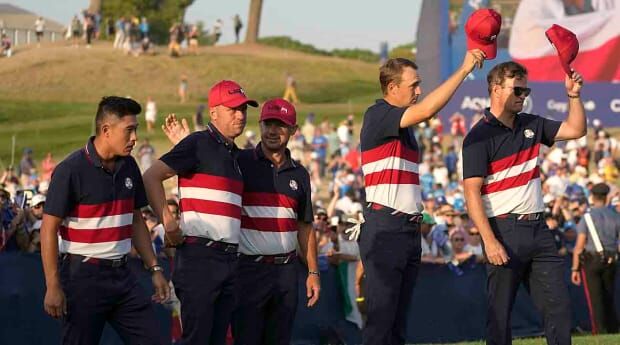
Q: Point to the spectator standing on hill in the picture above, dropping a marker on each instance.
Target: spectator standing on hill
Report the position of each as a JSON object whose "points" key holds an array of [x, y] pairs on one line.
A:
{"points": [[290, 91], [27, 167], [144, 28], [150, 115], [76, 30], [238, 24], [182, 90], [5, 44], [39, 29]]}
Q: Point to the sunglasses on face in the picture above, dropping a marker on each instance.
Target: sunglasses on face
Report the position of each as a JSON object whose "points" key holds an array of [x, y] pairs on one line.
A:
{"points": [[36, 207], [458, 239], [519, 91]]}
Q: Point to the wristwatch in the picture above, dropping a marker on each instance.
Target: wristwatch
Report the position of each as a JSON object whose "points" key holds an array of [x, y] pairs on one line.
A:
{"points": [[156, 268], [314, 272]]}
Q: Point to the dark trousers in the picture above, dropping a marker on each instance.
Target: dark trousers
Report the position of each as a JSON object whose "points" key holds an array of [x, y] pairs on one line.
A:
{"points": [[534, 260], [390, 248], [204, 281], [599, 280], [267, 304], [98, 294]]}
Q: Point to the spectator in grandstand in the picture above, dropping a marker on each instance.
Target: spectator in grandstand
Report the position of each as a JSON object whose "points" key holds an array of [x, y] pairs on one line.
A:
{"points": [[27, 225]]}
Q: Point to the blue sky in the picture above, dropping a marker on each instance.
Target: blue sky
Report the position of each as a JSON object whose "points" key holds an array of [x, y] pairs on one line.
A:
{"points": [[326, 24]]}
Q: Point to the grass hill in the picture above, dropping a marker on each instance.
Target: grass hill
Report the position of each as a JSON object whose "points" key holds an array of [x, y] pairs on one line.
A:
{"points": [[49, 94]]}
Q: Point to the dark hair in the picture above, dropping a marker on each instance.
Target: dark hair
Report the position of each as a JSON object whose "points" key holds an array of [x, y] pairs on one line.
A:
{"points": [[117, 107], [392, 70], [505, 70]]}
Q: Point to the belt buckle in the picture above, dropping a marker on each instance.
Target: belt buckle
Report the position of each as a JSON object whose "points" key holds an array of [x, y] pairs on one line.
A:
{"points": [[415, 218], [280, 260], [118, 262], [229, 248]]}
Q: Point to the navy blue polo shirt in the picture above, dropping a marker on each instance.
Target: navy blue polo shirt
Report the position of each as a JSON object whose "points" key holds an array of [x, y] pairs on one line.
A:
{"points": [[274, 200], [508, 160], [210, 185], [96, 205], [390, 159]]}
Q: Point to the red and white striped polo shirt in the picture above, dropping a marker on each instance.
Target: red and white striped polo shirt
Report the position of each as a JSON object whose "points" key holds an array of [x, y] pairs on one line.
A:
{"points": [[274, 201], [390, 160], [96, 205], [210, 185], [508, 160]]}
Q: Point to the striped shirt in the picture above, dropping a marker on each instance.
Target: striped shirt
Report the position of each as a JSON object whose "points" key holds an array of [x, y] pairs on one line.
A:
{"points": [[96, 205], [508, 160], [390, 159], [274, 201], [210, 185]]}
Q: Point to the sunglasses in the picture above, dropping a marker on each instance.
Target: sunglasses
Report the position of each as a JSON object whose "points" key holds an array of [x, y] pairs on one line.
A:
{"points": [[474, 233], [518, 90], [38, 206], [458, 239]]}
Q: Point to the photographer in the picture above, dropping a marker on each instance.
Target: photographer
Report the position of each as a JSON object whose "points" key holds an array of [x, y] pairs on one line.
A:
{"points": [[27, 224]]}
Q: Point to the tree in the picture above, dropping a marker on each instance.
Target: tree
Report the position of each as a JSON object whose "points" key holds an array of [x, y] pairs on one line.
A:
{"points": [[95, 6], [256, 8]]}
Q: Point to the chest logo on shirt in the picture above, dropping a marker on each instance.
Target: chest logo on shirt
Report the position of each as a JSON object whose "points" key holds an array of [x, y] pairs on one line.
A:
{"points": [[528, 133], [128, 183], [293, 184]]}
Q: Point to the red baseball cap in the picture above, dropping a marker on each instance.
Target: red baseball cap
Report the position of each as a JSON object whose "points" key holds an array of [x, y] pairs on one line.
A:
{"points": [[279, 109], [230, 94], [566, 44], [482, 29]]}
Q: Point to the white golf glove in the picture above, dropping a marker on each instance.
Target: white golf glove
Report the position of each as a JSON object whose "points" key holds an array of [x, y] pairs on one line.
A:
{"points": [[354, 231]]}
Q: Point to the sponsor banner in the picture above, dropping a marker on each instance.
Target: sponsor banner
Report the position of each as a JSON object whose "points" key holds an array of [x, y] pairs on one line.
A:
{"points": [[601, 101]]}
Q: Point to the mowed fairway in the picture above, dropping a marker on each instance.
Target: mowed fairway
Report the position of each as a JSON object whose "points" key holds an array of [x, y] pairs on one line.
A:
{"points": [[48, 96]]}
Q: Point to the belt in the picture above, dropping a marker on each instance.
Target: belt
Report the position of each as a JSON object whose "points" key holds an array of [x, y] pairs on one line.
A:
{"points": [[529, 216], [276, 259], [207, 242], [97, 261], [413, 218]]}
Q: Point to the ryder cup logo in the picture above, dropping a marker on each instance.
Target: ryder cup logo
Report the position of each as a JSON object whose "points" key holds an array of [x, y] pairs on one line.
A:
{"points": [[293, 184], [528, 133], [128, 183]]}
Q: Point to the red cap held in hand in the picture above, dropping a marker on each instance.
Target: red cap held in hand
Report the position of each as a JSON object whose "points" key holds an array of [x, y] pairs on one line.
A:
{"points": [[566, 44], [482, 29], [279, 109], [230, 94]]}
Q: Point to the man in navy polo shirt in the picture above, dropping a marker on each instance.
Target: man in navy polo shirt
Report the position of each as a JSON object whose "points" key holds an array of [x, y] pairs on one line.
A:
{"points": [[94, 202], [276, 217], [210, 188], [390, 244], [504, 199]]}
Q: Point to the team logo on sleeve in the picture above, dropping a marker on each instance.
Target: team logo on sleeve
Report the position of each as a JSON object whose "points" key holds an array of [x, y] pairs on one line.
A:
{"points": [[128, 183], [293, 185], [528, 133]]}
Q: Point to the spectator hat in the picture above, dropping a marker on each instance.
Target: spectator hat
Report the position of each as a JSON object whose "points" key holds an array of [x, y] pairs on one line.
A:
{"points": [[37, 199], [482, 29], [229, 94], [566, 45], [600, 189], [43, 186], [279, 109]]}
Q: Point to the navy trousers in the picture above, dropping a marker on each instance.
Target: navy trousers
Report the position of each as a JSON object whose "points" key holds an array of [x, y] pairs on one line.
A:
{"points": [[204, 281], [97, 294], [534, 260], [390, 248], [267, 296]]}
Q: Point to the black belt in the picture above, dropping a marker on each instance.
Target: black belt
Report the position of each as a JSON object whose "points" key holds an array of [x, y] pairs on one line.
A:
{"points": [[276, 259], [413, 218], [97, 261], [207, 242], [529, 216]]}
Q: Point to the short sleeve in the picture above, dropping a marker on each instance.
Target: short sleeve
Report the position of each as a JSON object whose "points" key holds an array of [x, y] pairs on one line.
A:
{"points": [[475, 156], [304, 213], [582, 228], [549, 131], [383, 121], [61, 194], [182, 158]]}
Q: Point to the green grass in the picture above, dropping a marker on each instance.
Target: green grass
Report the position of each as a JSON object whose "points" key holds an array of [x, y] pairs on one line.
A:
{"points": [[608, 339], [62, 127]]}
